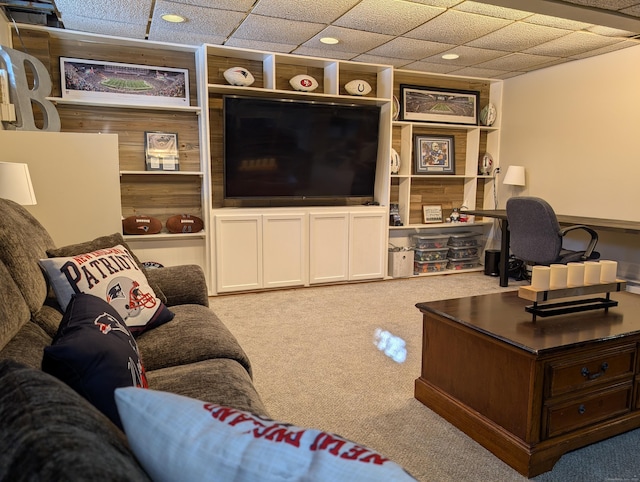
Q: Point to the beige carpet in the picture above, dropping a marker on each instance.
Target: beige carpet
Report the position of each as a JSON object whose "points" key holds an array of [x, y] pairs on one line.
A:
{"points": [[315, 365]]}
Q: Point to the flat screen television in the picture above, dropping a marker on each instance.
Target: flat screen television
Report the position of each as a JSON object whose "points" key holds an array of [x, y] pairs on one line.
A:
{"points": [[303, 150]]}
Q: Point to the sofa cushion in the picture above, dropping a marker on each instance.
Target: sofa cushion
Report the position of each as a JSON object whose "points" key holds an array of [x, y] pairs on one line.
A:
{"points": [[94, 353], [27, 345], [23, 240], [104, 242], [112, 275], [14, 311], [219, 380], [179, 438], [194, 334], [49, 432]]}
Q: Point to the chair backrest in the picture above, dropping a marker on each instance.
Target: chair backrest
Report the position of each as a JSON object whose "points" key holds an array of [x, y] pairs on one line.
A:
{"points": [[534, 230]]}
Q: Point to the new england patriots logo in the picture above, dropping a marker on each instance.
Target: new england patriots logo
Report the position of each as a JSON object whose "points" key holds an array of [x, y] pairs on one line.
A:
{"points": [[107, 323]]}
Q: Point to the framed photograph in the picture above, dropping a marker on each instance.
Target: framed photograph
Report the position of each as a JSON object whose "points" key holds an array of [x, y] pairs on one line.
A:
{"points": [[433, 155], [430, 104], [161, 151], [94, 80], [432, 213]]}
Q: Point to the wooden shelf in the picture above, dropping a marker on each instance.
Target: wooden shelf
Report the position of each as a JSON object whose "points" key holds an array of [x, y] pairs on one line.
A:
{"points": [[124, 105]]}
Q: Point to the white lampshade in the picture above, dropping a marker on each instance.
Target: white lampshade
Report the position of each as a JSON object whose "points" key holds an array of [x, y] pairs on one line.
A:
{"points": [[514, 176], [15, 183]]}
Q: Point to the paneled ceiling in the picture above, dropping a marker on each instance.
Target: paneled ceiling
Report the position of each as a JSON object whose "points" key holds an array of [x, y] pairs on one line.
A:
{"points": [[492, 38]]}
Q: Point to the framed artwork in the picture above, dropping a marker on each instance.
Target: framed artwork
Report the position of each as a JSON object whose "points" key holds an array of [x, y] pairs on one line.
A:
{"points": [[94, 80], [433, 154], [432, 213], [430, 104], [161, 151]]}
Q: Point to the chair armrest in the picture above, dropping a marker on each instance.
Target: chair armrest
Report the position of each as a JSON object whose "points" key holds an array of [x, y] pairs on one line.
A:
{"points": [[184, 284], [592, 242]]}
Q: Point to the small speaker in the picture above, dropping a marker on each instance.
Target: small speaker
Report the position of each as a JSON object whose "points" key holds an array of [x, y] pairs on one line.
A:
{"points": [[492, 262]]}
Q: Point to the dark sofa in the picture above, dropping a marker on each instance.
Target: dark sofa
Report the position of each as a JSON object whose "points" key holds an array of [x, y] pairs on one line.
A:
{"points": [[194, 355]]}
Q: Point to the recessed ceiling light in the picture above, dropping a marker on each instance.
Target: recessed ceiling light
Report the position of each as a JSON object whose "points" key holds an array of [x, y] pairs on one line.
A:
{"points": [[329, 40], [450, 56], [173, 18]]}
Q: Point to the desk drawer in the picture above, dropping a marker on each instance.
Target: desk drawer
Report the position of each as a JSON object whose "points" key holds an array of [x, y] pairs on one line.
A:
{"points": [[588, 409], [577, 373]]}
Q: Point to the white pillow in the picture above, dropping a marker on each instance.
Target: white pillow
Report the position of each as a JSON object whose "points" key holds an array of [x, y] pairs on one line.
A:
{"points": [[113, 275], [180, 438]]}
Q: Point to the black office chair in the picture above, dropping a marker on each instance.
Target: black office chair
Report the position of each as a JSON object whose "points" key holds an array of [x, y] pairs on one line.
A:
{"points": [[536, 236]]}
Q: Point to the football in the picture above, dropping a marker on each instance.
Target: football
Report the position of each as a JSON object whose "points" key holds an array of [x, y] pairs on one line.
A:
{"points": [[141, 225], [239, 76], [304, 83], [357, 87], [184, 223]]}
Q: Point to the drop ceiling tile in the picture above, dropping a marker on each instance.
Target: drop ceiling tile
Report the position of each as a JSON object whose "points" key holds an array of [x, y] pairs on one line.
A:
{"points": [[376, 59], [508, 75], [436, 3], [387, 16], [604, 4], [556, 22], [492, 10], [518, 36], [611, 32], [319, 12], [259, 45], [350, 40], [457, 27], [325, 53], [411, 49], [633, 11], [515, 61], [187, 38], [200, 20], [551, 63], [430, 67], [572, 44], [477, 72], [467, 56], [609, 48], [105, 27], [122, 11], [235, 5], [276, 30]]}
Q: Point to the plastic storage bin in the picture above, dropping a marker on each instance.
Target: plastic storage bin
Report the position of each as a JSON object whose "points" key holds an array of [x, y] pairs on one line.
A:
{"points": [[463, 252], [434, 254], [464, 239], [458, 264], [429, 266], [431, 241]]}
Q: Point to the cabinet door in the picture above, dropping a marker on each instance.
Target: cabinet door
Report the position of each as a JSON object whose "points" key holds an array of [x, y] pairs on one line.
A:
{"points": [[238, 252], [328, 247], [367, 245], [284, 250]]}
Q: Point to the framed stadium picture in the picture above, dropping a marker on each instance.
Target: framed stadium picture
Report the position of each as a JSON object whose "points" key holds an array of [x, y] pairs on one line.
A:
{"points": [[98, 81], [430, 104]]}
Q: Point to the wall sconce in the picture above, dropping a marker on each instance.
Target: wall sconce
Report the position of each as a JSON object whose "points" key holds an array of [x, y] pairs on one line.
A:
{"points": [[514, 176], [15, 183]]}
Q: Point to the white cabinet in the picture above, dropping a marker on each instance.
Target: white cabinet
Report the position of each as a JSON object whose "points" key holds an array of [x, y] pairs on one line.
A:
{"points": [[367, 245], [255, 251], [328, 247], [285, 247], [284, 251]]}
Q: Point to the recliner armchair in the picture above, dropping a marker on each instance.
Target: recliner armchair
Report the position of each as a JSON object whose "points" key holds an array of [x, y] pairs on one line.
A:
{"points": [[536, 236]]}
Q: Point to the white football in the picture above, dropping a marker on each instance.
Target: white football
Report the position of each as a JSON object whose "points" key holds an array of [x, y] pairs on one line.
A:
{"points": [[304, 83], [395, 161], [238, 76], [358, 87]]}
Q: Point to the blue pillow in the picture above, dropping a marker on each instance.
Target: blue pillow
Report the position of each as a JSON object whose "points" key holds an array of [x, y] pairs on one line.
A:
{"points": [[94, 353]]}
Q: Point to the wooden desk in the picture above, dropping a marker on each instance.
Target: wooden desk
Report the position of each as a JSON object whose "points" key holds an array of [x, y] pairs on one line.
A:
{"points": [[596, 223], [531, 392]]}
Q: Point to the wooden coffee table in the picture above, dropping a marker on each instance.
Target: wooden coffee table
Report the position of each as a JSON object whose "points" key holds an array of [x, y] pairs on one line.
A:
{"points": [[531, 391]]}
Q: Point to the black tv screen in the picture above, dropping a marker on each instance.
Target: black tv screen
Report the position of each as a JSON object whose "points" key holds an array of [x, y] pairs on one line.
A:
{"points": [[298, 149]]}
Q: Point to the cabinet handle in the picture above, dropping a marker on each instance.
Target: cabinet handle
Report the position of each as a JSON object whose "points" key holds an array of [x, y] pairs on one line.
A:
{"points": [[592, 376], [582, 409]]}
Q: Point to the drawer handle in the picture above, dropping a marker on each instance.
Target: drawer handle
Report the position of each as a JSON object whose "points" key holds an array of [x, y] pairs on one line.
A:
{"points": [[592, 376], [582, 409]]}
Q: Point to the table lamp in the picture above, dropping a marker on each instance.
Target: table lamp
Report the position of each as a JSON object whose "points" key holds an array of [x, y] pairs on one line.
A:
{"points": [[15, 183], [514, 176]]}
